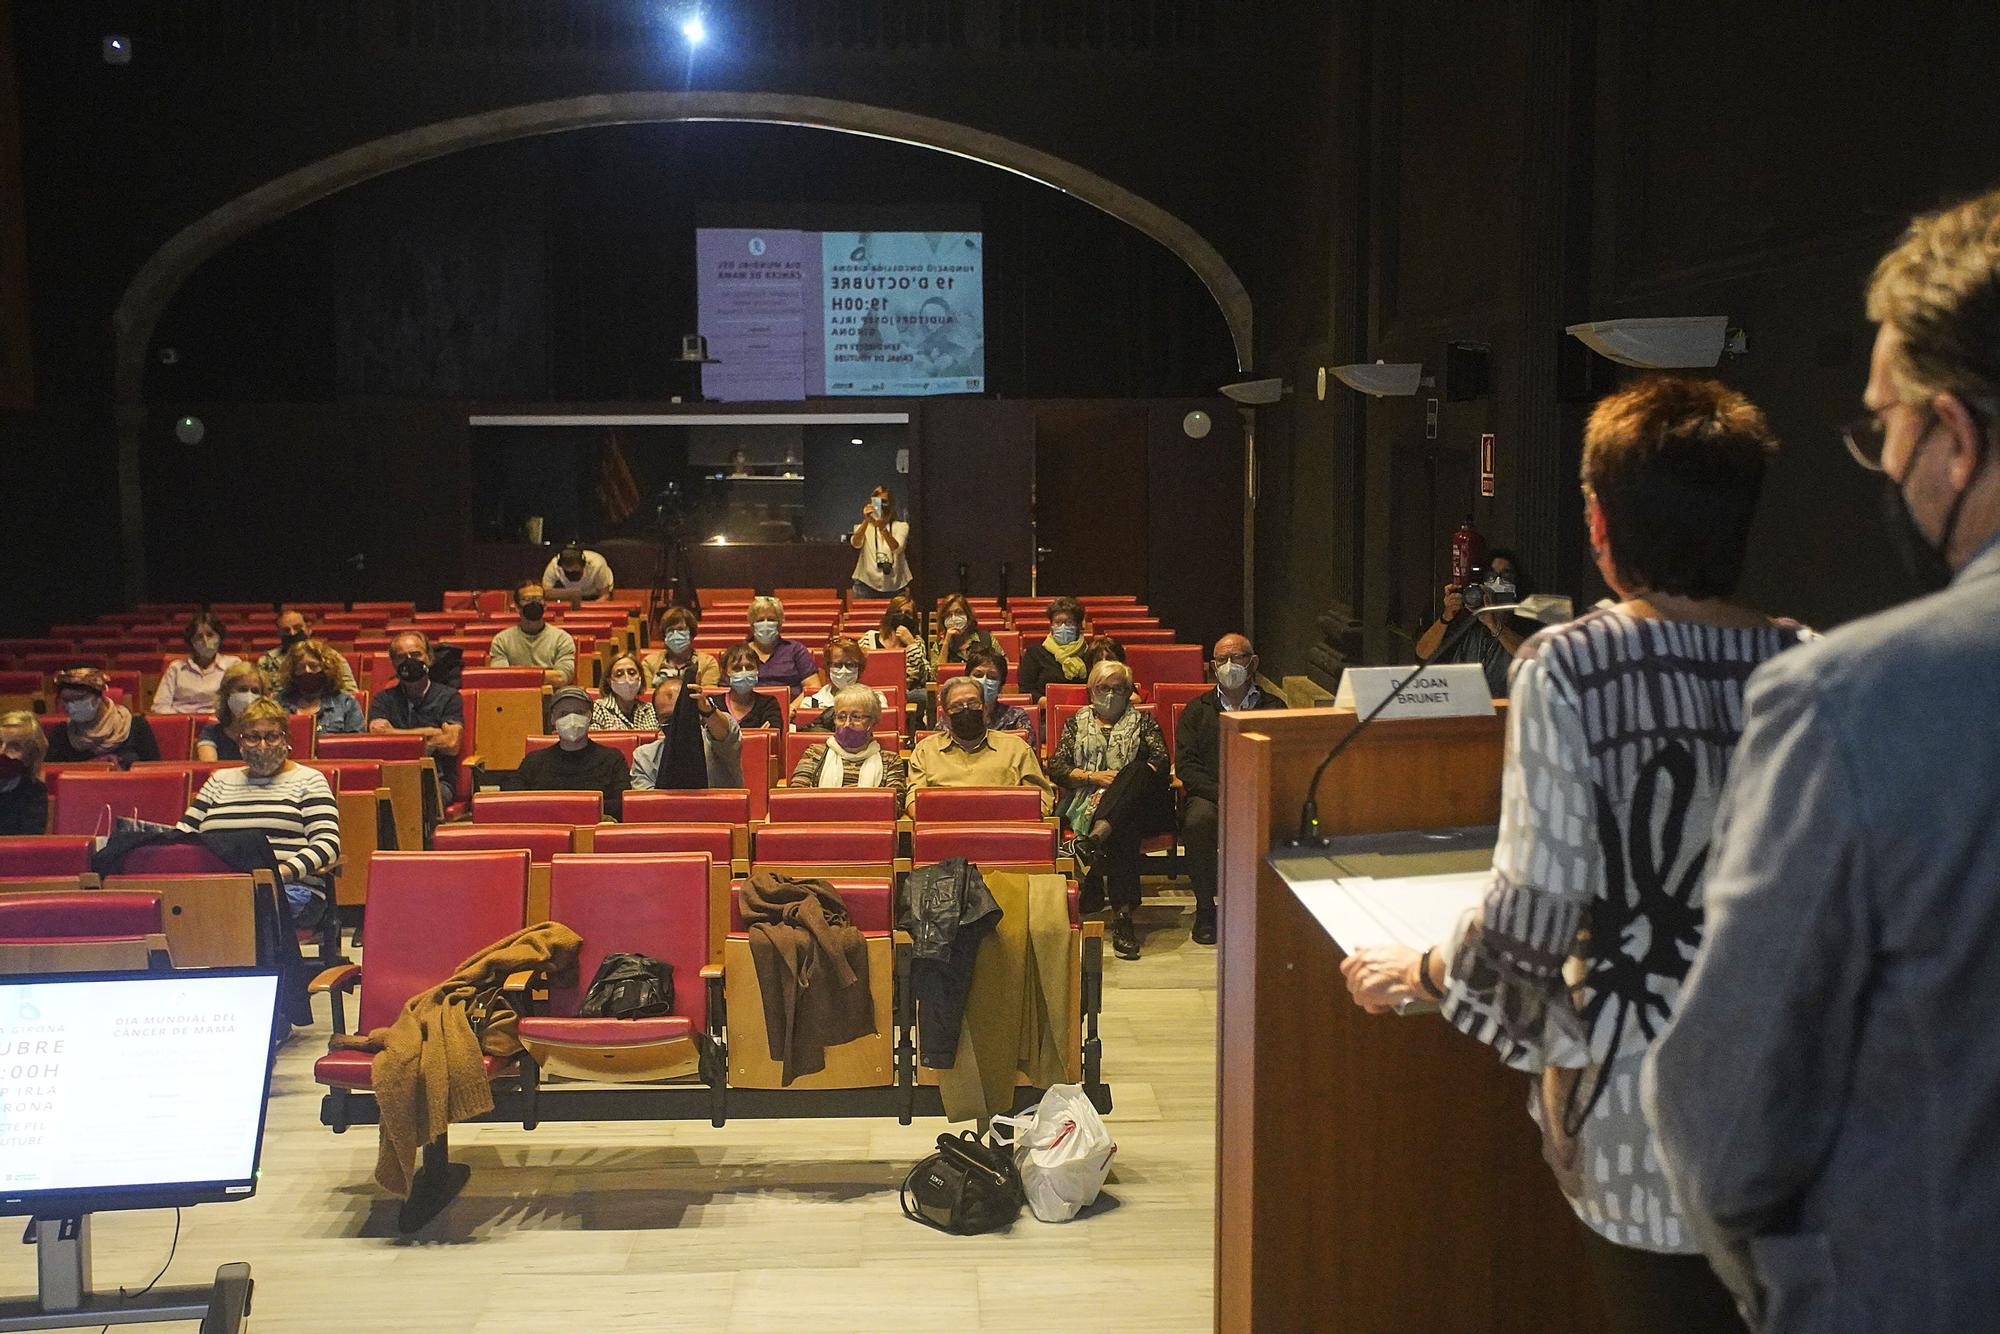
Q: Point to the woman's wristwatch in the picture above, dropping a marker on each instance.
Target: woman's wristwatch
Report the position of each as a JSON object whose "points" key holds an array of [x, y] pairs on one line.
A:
{"points": [[1430, 988]]}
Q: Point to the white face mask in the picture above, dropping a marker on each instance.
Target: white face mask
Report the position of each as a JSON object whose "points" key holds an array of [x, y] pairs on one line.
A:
{"points": [[954, 623], [765, 632], [572, 726], [1231, 675], [626, 689], [843, 675], [204, 647], [239, 700]]}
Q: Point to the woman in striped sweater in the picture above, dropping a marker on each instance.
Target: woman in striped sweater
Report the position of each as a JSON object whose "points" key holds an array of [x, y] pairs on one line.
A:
{"points": [[290, 805]]}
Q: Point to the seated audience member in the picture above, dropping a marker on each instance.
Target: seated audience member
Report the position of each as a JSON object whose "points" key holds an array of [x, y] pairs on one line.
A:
{"points": [[622, 707], [958, 632], [967, 755], [24, 797], [750, 709], [576, 575], [1198, 762], [189, 684], [291, 805], [98, 726], [1594, 909], [700, 745], [1059, 657], [1494, 640], [420, 705], [217, 741], [988, 666], [1112, 759], [575, 763], [780, 661], [677, 655], [295, 627], [843, 668], [309, 687], [898, 630], [533, 642], [1825, 1095], [852, 757]]}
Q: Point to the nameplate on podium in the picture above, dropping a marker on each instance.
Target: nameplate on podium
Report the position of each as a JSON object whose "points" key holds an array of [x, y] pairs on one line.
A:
{"points": [[1453, 690]]}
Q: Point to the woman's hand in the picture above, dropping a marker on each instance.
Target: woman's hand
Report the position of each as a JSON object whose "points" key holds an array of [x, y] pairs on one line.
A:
{"points": [[1381, 977], [868, 513]]}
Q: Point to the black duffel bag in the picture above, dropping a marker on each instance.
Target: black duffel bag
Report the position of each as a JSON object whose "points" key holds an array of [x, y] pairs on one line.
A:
{"points": [[967, 1186], [630, 986]]}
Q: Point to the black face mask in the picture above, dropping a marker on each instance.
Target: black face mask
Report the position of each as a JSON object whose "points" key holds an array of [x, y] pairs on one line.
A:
{"points": [[968, 725], [288, 638], [1924, 560], [411, 670], [531, 611]]}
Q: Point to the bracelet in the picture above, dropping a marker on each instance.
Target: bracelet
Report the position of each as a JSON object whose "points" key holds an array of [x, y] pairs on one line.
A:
{"points": [[1424, 976]]}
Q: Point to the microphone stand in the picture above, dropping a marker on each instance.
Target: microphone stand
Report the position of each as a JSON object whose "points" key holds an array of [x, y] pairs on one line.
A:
{"points": [[1537, 608]]}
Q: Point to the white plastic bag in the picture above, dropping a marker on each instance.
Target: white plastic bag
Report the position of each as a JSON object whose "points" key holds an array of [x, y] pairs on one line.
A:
{"points": [[1063, 1150]]}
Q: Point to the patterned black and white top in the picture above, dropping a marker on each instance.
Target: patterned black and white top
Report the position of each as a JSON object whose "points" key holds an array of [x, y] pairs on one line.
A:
{"points": [[1619, 738], [294, 810]]}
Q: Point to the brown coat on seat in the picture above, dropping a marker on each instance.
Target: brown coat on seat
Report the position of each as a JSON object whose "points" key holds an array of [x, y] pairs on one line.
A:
{"points": [[812, 969]]}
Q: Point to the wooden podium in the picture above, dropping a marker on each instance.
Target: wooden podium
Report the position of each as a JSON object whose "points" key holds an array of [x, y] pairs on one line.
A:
{"points": [[1375, 1175]]}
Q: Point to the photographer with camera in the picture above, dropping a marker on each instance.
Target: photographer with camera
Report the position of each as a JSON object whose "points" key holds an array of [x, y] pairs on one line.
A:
{"points": [[1497, 638], [883, 568]]}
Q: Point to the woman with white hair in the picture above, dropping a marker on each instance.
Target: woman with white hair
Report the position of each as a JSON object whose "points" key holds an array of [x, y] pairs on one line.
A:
{"points": [[781, 661], [852, 758], [1112, 759]]}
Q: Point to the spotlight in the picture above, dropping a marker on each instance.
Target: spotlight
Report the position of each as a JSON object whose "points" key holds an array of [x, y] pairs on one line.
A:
{"points": [[694, 30], [117, 49], [855, 441]]}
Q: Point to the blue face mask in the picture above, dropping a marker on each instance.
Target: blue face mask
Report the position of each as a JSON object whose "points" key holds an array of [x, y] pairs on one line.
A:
{"points": [[677, 641], [989, 686], [743, 682], [764, 632], [1064, 634]]}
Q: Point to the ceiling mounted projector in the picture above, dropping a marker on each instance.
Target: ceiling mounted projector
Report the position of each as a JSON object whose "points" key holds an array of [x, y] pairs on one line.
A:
{"points": [[1382, 379], [1255, 393], [1669, 343]]}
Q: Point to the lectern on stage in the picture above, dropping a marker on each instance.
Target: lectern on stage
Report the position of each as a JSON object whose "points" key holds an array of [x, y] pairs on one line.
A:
{"points": [[1376, 1175]]}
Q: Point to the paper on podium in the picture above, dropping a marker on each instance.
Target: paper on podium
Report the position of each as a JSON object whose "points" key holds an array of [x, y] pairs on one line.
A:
{"points": [[1416, 911]]}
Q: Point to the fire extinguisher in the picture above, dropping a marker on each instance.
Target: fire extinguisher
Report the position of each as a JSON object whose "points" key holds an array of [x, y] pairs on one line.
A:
{"points": [[1468, 552]]}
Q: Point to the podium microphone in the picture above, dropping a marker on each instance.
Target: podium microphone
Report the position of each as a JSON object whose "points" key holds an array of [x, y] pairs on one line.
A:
{"points": [[1548, 608]]}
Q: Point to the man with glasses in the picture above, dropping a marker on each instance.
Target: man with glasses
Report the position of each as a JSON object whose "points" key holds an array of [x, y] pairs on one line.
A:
{"points": [[1198, 762], [1824, 1099], [420, 705]]}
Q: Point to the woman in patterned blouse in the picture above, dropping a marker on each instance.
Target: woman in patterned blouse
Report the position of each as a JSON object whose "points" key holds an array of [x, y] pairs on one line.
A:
{"points": [[1619, 739], [620, 707]]}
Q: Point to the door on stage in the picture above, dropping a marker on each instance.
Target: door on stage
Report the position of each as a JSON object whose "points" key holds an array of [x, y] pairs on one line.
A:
{"points": [[1091, 510]]}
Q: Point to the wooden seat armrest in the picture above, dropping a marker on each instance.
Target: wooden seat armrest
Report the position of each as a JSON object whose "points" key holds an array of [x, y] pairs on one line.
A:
{"points": [[341, 977], [711, 972]]}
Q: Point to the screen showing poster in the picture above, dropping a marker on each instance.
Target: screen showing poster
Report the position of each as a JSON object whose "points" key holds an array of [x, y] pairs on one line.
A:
{"points": [[792, 314], [128, 1083]]}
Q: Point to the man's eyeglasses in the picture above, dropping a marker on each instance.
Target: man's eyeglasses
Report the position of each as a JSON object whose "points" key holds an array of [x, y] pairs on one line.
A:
{"points": [[1240, 659], [1867, 435]]}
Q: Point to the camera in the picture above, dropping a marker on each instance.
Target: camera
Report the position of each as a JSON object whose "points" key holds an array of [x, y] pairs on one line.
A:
{"points": [[1483, 590]]}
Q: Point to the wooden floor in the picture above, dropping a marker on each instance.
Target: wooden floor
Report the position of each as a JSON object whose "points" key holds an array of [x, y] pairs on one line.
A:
{"points": [[759, 1226]]}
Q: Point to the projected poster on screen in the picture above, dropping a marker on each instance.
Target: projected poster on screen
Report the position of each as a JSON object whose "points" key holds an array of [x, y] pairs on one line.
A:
{"points": [[790, 314]]}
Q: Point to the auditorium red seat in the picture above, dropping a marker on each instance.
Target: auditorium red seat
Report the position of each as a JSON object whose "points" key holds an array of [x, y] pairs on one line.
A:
{"points": [[44, 856], [428, 912], [89, 803], [884, 667], [974, 805], [369, 746], [564, 808], [502, 678], [656, 904], [87, 915], [985, 844], [403, 609], [816, 845], [1169, 698], [540, 841], [834, 805], [710, 806], [625, 743]]}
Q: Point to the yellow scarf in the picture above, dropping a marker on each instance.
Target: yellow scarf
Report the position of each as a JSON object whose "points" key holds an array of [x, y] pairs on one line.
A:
{"points": [[1069, 655]]}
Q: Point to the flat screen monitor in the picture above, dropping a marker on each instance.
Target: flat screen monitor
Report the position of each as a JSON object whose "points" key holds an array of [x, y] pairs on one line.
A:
{"points": [[132, 1090]]}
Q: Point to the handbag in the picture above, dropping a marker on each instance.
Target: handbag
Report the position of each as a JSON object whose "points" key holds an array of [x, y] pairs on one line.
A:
{"points": [[968, 1186], [629, 986]]}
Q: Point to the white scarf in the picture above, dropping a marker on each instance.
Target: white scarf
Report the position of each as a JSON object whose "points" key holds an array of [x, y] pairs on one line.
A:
{"points": [[832, 773]]}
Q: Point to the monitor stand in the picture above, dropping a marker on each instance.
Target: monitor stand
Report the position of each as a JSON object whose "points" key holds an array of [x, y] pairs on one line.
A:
{"points": [[65, 1299]]}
